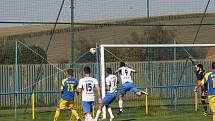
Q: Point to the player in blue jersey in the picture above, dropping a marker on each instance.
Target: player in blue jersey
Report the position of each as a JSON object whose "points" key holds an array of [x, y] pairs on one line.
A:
{"points": [[111, 88], [127, 84], [209, 78], [68, 88]]}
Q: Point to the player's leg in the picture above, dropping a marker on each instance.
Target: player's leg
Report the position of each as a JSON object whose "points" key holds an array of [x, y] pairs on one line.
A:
{"points": [[87, 108], [110, 113], [61, 104], [107, 100], [203, 101], [112, 97], [134, 89], [98, 112], [57, 114], [120, 104], [212, 105], [73, 110], [125, 87]]}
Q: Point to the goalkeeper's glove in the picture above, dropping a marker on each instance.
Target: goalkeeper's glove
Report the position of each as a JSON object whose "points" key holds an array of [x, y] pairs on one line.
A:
{"points": [[196, 89]]}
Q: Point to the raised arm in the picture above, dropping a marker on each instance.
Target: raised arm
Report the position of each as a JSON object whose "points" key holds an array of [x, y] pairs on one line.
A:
{"points": [[191, 59]]}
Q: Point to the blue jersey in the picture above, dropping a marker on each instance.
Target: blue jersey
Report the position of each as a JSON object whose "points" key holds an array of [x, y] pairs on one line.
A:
{"points": [[68, 85], [210, 79]]}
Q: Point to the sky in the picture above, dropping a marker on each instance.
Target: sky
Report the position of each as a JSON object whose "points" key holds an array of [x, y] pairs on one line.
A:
{"points": [[93, 10]]}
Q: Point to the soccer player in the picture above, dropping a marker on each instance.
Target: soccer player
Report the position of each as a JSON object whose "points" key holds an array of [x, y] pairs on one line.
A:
{"points": [[210, 79], [200, 72], [68, 87], [127, 84], [111, 88], [87, 86]]}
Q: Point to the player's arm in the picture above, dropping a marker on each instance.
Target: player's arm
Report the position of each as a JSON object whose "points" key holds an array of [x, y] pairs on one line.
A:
{"points": [[133, 71], [204, 80], [76, 87], [80, 85], [107, 88], [117, 71], [62, 85], [193, 62], [99, 94]]}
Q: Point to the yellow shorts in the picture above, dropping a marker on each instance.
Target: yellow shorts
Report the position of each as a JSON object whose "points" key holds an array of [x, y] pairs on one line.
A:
{"points": [[211, 100], [67, 104]]}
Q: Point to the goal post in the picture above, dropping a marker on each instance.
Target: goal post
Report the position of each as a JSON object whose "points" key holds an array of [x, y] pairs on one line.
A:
{"points": [[105, 46]]}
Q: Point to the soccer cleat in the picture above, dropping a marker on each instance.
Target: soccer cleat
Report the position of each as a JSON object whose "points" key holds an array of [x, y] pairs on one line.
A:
{"points": [[196, 89], [204, 114], [145, 93], [120, 111]]}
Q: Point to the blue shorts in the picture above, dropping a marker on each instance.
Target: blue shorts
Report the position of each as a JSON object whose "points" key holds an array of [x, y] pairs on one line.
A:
{"points": [[108, 99], [128, 87], [87, 106]]}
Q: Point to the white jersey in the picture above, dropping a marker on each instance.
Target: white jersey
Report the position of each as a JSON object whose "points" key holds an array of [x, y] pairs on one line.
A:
{"points": [[111, 81], [87, 84], [125, 74]]}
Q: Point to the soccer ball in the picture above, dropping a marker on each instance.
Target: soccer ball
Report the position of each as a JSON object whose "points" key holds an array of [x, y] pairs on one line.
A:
{"points": [[92, 50]]}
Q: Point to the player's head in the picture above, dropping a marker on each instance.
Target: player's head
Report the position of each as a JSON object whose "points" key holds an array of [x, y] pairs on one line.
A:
{"points": [[109, 71], [69, 72], [86, 70], [122, 64], [213, 65], [200, 66]]}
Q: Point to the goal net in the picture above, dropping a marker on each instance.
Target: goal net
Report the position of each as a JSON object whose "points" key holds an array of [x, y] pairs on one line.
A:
{"points": [[165, 71]]}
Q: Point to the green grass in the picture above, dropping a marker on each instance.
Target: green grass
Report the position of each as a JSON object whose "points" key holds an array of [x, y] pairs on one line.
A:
{"points": [[131, 114]]}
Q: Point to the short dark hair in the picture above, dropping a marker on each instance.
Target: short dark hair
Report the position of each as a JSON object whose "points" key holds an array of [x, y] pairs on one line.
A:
{"points": [[213, 65], [70, 72], [109, 71], [87, 70], [200, 66], [122, 64]]}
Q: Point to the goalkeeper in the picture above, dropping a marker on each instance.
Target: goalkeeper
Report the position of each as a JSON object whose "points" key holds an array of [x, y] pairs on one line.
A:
{"points": [[68, 87], [200, 73], [209, 79]]}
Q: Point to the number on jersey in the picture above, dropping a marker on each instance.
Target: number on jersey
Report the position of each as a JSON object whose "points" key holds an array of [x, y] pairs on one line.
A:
{"points": [[70, 87]]}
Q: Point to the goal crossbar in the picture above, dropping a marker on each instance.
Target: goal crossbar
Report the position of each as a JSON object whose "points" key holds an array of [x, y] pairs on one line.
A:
{"points": [[155, 45]]}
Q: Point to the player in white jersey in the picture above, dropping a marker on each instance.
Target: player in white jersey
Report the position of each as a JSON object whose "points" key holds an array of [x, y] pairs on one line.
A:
{"points": [[127, 84], [87, 85], [111, 88]]}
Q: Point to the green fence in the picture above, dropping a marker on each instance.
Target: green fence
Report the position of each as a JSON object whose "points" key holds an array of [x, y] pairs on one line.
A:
{"points": [[158, 78]]}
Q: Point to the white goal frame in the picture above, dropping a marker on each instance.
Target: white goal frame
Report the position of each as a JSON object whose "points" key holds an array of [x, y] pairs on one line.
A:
{"points": [[102, 59]]}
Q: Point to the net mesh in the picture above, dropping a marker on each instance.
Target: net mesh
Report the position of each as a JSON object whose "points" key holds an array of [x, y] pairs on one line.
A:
{"points": [[167, 73], [31, 23]]}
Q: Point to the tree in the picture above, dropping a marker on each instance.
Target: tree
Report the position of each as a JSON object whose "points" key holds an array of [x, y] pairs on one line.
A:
{"points": [[25, 55]]}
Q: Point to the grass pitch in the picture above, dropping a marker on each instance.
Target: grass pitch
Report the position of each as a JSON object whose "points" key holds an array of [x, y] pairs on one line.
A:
{"points": [[130, 114]]}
